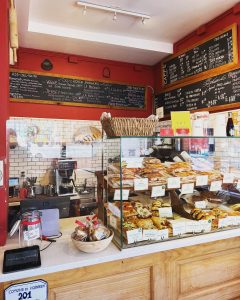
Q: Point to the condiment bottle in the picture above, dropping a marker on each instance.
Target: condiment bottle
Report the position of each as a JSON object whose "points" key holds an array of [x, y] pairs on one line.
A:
{"points": [[230, 125]]}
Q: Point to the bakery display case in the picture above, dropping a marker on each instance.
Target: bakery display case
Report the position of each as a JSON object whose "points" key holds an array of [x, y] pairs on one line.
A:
{"points": [[154, 194]]}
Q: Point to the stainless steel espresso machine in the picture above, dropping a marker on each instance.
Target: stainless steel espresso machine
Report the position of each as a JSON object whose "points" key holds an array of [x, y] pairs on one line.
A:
{"points": [[65, 177]]}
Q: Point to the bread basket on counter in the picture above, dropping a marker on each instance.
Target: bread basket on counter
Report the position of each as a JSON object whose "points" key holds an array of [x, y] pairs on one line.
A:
{"points": [[128, 127]]}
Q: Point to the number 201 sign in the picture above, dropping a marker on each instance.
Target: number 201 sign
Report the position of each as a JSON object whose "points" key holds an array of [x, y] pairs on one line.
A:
{"points": [[32, 290]]}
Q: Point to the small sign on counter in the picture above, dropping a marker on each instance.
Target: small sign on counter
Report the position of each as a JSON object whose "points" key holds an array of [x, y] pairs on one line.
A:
{"points": [[117, 195], [134, 235], [173, 183], [216, 186], [165, 212], [140, 184], [228, 178], [187, 188], [158, 191], [179, 227], [202, 180], [34, 290], [201, 204]]}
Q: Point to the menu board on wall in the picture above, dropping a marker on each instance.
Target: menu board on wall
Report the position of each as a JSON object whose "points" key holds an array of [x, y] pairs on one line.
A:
{"points": [[221, 90], [206, 58], [48, 88]]}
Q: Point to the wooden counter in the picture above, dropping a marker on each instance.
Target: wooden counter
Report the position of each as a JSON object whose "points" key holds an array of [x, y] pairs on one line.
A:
{"points": [[171, 270]]}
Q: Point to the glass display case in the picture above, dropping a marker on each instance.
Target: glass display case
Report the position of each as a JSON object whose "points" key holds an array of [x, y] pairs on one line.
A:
{"points": [[156, 193]]}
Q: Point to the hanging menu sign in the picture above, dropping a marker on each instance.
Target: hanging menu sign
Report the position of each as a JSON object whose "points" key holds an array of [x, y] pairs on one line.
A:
{"points": [[221, 90], [48, 88], [213, 53]]}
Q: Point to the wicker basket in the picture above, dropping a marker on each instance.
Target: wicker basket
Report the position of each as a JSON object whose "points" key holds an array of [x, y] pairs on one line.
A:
{"points": [[129, 127]]}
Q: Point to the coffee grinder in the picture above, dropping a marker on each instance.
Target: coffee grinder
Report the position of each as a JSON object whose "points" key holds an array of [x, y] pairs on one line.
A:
{"points": [[65, 177]]}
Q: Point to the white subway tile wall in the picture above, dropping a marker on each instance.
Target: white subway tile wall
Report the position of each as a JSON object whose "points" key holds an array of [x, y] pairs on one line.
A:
{"points": [[40, 140]]}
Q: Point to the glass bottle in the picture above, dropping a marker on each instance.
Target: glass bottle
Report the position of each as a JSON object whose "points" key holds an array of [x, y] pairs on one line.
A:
{"points": [[230, 126]]}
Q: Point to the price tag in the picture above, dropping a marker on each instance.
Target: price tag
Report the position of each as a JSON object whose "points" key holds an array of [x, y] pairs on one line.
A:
{"points": [[173, 183], [33, 290], [117, 195], [113, 221], [165, 212], [179, 228], [134, 235], [158, 191], [223, 222], [187, 188], [202, 180], [201, 204], [228, 178], [162, 235], [134, 162], [150, 234], [193, 227], [232, 221], [237, 220], [114, 209], [140, 184], [216, 186], [206, 225]]}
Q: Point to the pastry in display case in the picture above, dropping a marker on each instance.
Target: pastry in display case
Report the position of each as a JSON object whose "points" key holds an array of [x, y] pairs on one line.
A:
{"points": [[152, 199]]}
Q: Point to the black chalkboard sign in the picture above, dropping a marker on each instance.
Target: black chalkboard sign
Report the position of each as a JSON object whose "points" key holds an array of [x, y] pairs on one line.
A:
{"points": [[217, 51], [207, 94], [55, 89]]}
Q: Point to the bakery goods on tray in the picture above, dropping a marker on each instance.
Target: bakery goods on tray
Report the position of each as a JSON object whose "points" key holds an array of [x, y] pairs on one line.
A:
{"points": [[145, 223], [236, 207], [160, 223]]}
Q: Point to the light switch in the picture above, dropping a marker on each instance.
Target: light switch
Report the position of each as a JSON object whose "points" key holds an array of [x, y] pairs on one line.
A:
{"points": [[1, 172]]}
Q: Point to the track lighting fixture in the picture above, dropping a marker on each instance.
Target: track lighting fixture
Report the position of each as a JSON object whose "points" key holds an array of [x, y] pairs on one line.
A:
{"points": [[114, 10]]}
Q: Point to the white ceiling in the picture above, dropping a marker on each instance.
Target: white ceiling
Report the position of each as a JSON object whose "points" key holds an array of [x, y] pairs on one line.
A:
{"points": [[59, 25]]}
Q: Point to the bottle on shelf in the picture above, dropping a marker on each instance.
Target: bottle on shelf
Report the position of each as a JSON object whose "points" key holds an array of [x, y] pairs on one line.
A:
{"points": [[230, 126]]}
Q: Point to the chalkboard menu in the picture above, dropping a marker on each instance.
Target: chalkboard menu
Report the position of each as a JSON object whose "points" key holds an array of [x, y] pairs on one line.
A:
{"points": [[219, 90], [219, 50], [55, 89]]}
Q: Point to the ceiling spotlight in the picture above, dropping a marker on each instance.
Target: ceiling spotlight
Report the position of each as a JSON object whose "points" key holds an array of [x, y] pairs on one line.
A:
{"points": [[143, 21], [115, 16], [85, 10]]}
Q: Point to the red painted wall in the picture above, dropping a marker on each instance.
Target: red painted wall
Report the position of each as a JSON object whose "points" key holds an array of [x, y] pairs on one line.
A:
{"points": [[31, 59], [229, 17], [3, 114]]}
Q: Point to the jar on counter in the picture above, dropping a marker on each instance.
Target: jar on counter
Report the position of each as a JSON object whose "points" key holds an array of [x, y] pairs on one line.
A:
{"points": [[30, 229]]}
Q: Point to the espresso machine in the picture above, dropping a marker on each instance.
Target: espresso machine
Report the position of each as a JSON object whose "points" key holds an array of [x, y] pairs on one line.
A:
{"points": [[65, 177]]}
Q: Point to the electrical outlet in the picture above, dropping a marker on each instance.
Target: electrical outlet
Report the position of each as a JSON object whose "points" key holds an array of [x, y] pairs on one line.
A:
{"points": [[1, 172]]}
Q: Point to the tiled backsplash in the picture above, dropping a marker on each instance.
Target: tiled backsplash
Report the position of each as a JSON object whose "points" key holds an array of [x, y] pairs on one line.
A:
{"points": [[39, 141]]}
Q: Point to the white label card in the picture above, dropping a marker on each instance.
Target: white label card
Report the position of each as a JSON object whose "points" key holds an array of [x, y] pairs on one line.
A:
{"points": [[140, 184], [134, 162], [187, 188], [158, 191], [165, 212], [150, 234], [117, 195], [114, 209], [201, 204], [228, 178], [206, 225], [113, 221], [134, 235], [179, 228], [202, 180], [223, 222], [237, 220], [34, 290], [216, 186], [173, 183]]}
